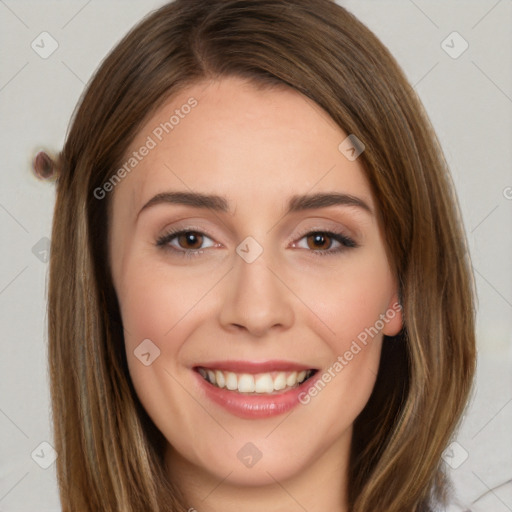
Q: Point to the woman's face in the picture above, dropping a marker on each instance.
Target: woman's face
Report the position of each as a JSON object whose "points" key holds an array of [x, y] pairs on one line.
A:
{"points": [[280, 271]]}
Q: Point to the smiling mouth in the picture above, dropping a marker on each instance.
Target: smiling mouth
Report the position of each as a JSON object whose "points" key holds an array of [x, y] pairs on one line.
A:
{"points": [[268, 383]]}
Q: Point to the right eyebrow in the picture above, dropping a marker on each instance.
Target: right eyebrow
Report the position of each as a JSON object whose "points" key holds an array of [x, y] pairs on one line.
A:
{"points": [[209, 201]]}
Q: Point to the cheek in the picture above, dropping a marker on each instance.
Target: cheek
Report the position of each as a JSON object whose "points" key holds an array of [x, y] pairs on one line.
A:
{"points": [[155, 301], [347, 302], [157, 322], [342, 391], [159, 310], [350, 303], [350, 308]]}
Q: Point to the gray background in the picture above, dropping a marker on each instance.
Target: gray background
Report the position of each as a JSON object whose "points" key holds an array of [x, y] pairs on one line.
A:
{"points": [[469, 99]]}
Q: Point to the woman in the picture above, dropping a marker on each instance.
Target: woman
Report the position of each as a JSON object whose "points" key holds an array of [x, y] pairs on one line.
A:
{"points": [[259, 298]]}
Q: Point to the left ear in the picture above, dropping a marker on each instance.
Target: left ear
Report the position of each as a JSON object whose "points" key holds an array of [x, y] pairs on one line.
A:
{"points": [[393, 321]]}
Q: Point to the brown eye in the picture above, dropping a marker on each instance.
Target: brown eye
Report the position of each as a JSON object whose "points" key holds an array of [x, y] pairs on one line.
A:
{"points": [[319, 240], [185, 242], [190, 240], [323, 243]]}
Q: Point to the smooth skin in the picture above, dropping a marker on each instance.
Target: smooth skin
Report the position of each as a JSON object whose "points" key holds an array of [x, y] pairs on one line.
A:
{"points": [[197, 300]]}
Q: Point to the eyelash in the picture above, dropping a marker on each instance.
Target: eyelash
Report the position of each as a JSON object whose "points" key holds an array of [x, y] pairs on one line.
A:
{"points": [[346, 242]]}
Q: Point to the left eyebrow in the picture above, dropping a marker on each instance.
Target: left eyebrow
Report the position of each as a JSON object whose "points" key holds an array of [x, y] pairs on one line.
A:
{"points": [[312, 201], [217, 203]]}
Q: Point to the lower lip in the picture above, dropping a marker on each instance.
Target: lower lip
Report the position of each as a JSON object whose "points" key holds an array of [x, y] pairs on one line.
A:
{"points": [[257, 406]]}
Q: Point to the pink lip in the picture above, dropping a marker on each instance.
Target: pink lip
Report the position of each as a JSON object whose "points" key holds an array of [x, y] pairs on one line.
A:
{"points": [[258, 406], [254, 366]]}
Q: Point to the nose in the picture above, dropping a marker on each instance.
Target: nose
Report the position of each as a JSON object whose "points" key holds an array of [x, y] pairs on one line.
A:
{"points": [[257, 299]]}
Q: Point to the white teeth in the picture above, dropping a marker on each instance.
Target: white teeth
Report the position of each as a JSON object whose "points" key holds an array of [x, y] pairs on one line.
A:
{"points": [[221, 381], [249, 383], [246, 383], [231, 381], [292, 379], [280, 381], [264, 383]]}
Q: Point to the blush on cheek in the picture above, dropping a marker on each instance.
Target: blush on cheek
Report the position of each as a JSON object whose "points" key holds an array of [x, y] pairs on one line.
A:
{"points": [[354, 325]]}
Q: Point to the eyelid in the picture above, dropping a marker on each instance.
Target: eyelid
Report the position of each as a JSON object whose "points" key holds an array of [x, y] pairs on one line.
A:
{"points": [[316, 229]]}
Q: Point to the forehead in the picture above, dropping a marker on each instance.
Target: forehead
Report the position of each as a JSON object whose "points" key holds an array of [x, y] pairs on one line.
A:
{"points": [[229, 137]]}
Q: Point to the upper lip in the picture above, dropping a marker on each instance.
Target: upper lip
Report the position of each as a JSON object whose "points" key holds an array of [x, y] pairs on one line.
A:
{"points": [[254, 366]]}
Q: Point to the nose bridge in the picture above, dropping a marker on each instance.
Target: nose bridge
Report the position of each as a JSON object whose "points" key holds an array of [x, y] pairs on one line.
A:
{"points": [[256, 299]]}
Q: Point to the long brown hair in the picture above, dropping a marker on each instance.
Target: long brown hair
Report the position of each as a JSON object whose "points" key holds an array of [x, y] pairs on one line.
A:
{"points": [[110, 453]]}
